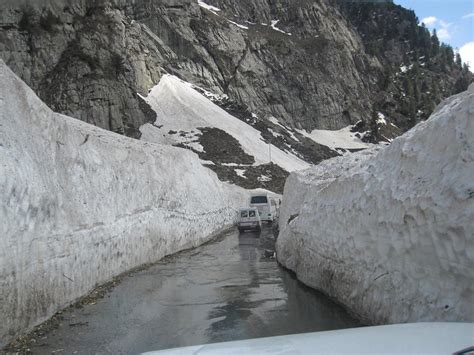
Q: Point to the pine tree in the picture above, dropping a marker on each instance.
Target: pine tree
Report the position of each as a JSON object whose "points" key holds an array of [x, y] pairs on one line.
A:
{"points": [[434, 44], [458, 60], [417, 92]]}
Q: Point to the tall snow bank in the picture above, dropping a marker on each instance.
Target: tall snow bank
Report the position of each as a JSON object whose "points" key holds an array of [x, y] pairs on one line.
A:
{"points": [[80, 204], [390, 233]]}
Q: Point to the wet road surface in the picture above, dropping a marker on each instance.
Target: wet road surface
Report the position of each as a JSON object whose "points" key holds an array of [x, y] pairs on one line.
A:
{"points": [[225, 290]]}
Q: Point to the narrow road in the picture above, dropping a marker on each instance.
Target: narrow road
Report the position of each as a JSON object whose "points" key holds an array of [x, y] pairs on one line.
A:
{"points": [[224, 290]]}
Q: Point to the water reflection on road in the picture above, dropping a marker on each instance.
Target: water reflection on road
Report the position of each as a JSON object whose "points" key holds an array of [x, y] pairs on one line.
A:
{"points": [[225, 290]]}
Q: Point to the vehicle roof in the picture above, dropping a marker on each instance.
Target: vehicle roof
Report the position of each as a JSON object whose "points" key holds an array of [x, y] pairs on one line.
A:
{"points": [[247, 208]]}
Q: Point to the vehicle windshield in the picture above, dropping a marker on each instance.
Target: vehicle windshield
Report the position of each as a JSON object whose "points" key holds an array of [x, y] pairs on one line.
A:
{"points": [[243, 214], [251, 213], [258, 199]]}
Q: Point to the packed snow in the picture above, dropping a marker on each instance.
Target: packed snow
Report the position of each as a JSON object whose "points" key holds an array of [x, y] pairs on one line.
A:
{"points": [[80, 205], [340, 139], [388, 232], [181, 108]]}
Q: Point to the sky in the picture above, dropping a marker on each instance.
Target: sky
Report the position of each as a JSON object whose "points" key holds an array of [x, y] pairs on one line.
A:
{"points": [[452, 19]]}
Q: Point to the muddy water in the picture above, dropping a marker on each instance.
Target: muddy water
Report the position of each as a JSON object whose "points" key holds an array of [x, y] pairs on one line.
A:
{"points": [[224, 290]]}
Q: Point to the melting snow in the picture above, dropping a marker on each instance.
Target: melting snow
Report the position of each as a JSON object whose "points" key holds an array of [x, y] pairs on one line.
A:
{"points": [[381, 118], [211, 95], [288, 130], [179, 107], [209, 7], [342, 138], [275, 134], [274, 23], [215, 10], [275, 121], [238, 25], [240, 172]]}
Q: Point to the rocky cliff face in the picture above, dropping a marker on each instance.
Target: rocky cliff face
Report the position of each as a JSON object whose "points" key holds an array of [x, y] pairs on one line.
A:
{"points": [[418, 70], [307, 63]]}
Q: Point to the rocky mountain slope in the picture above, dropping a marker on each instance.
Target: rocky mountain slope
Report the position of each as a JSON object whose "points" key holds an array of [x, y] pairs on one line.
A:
{"points": [[418, 70], [310, 64]]}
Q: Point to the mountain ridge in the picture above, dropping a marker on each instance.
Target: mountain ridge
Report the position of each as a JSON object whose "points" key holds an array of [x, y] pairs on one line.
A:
{"points": [[309, 64]]}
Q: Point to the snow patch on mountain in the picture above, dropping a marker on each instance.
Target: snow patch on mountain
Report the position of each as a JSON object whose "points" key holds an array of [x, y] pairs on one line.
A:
{"points": [[206, 6], [381, 118], [340, 139], [180, 108], [273, 25], [239, 25], [388, 231]]}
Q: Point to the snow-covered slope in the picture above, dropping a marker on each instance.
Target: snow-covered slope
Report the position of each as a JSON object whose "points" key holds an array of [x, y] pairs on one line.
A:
{"points": [[390, 232], [179, 107], [340, 139], [80, 204]]}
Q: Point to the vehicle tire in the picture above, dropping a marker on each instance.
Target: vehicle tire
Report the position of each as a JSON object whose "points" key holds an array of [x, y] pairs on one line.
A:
{"points": [[241, 230]]}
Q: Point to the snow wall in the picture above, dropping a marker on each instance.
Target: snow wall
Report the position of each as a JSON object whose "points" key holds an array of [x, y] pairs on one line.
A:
{"points": [[389, 233], [80, 205]]}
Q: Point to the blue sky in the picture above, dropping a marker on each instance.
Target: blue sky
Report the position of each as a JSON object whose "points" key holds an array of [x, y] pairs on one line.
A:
{"points": [[453, 20]]}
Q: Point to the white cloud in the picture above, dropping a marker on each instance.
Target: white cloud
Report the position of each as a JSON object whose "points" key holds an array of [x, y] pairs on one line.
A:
{"points": [[467, 54], [444, 24], [429, 21], [443, 34], [471, 15], [441, 26]]}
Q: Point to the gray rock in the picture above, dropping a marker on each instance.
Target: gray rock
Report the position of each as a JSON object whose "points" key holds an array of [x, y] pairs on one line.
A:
{"points": [[89, 59]]}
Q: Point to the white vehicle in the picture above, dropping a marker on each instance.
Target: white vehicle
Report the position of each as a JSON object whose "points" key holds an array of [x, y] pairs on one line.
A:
{"points": [[411, 338], [267, 206], [249, 218]]}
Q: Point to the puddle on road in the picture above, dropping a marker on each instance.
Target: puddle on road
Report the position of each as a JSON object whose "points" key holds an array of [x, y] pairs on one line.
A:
{"points": [[225, 290]]}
